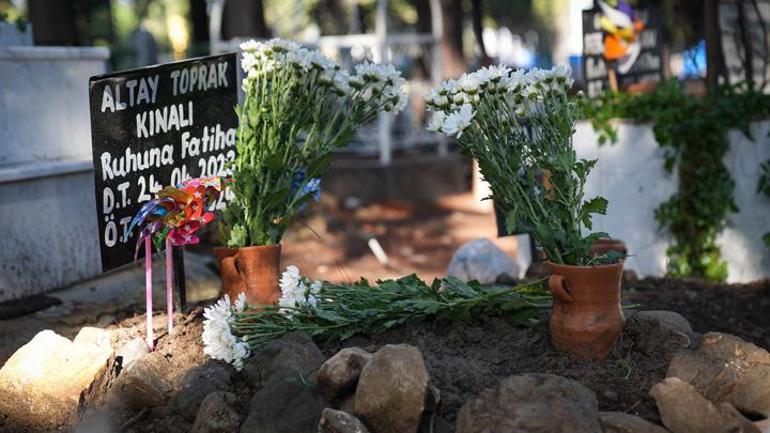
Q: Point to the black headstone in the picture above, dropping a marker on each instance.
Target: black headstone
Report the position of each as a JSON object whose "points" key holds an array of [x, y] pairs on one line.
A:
{"points": [[153, 127], [648, 65]]}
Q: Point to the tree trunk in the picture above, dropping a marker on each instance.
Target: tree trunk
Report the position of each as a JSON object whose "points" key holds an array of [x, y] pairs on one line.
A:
{"points": [[713, 43], [332, 17], [53, 22], [423, 24], [452, 39], [421, 69], [477, 12], [244, 18], [200, 27]]}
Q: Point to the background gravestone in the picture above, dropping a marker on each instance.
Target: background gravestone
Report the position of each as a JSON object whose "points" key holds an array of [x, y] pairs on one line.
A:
{"points": [[46, 188]]}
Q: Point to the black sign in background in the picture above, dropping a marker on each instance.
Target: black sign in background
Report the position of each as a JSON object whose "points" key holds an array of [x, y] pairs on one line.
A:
{"points": [[648, 66], [123, 140], [595, 67]]}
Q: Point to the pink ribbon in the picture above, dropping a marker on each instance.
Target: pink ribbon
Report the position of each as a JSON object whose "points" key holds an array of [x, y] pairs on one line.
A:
{"points": [[148, 290], [169, 285]]}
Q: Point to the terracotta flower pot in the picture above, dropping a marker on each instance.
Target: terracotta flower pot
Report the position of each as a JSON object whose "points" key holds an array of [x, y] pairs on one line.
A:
{"points": [[586, 318], [251, 270]]}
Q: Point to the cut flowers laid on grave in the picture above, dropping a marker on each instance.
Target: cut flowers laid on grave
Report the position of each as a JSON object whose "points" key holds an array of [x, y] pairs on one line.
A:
{"points": [[328, 311]]}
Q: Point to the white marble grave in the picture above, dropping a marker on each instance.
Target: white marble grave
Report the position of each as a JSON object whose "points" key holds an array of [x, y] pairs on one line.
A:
{"points": [[49, 233]]}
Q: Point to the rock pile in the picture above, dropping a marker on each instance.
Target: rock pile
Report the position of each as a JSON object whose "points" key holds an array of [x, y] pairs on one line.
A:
{"points": [[725, 381], [715, 383], [354, 391]]}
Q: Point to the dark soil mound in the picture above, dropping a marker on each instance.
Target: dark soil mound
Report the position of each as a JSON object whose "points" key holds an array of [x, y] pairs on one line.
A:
{"points": [[464, 359], [738, 309]]}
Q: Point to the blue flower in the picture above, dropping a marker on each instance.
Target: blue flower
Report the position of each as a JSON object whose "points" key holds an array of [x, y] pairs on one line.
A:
{"points": [[301, 188], [313, 186]]}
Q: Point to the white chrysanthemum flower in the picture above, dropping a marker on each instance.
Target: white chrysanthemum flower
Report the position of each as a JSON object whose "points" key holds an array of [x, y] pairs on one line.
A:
{"points": [[292, 290], [296, 292], [395, 99], [469, 83], [240, 303], [253, 73], [249, 61], [241, 351], [562, 70], [456, 122], [319, 61], [441, 102], [535, 75], [494, 78], [316, 287], [515, 82], [279, 45], [532, 101], [341, 82], [481, 76], [459, 99], [290, 277], [374, 72], [401, 104], [497, 72], [437, 121], [220, 311], [250, 46], [219, 342], [299, 59], [313, 292], [369, 71], [431, 97], [447, 87], [437, 98], [531, 93], [562, 75]]}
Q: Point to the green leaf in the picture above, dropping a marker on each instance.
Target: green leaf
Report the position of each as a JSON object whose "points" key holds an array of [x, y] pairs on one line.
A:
{"points": [[455, 286], [330, 316], [237, 237], [424, 306], [609, 258], [276, 199], [511, 221], [596, 205]]}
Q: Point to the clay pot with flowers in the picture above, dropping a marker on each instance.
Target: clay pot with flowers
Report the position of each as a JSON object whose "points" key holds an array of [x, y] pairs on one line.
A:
{"points": [[519, 128], [298, 107]]}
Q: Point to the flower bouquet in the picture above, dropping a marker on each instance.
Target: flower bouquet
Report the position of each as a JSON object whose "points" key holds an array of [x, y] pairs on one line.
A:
{"points": [[298, 108], [327, 311], [518, 127]]}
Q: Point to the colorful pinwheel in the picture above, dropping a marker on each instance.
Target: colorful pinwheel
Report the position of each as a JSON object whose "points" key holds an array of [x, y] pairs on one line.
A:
{"points": [[170, 220]]}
